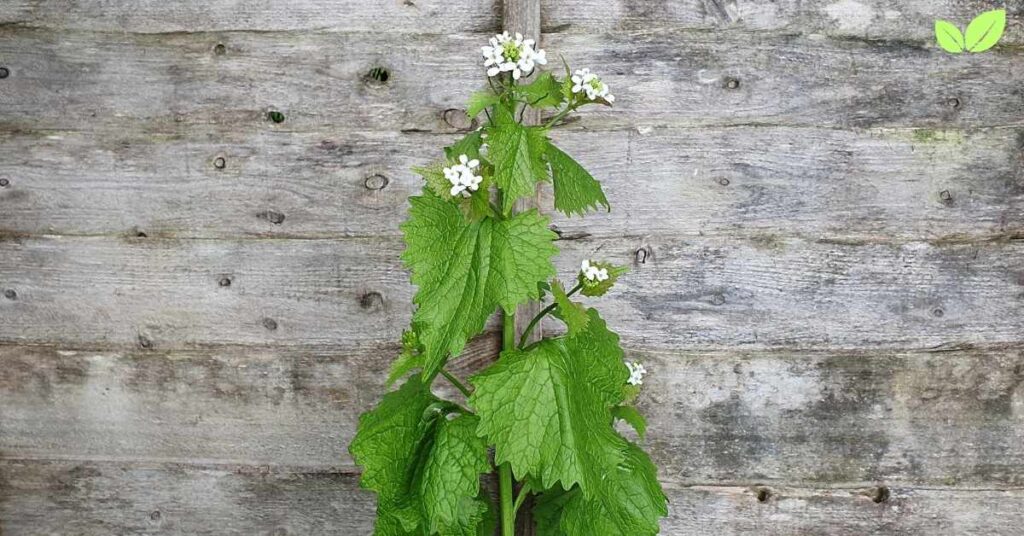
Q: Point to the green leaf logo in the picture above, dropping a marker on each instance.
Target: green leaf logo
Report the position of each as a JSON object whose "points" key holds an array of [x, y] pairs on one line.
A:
{"points": [[949, 37], [982, 33], [985, 30]]}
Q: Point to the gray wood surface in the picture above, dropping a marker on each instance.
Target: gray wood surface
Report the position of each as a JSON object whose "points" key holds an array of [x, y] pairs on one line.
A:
{"points": [[735, 181], [702, 293], [79, 81], [948, 417], [46, 498], [826, 254]]}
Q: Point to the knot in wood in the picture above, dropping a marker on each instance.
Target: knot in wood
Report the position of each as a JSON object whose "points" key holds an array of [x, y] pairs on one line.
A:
{"points": [[10, 294], [376, 182], [371, 300], [4, 182], [220, 162], [270, 324], [4, 72], [457, 119], [272, 216], [732, 83]]}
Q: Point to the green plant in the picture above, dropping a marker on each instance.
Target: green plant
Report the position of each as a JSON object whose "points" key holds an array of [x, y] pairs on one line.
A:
{"points": [[547, 408]]}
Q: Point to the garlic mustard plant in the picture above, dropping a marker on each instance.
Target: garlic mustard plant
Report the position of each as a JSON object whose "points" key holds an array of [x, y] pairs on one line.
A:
{"points": [[544, 416]]}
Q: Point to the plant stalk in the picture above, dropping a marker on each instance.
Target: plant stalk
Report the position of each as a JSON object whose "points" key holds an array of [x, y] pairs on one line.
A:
{"points": [[544, 312], [505, 483]]}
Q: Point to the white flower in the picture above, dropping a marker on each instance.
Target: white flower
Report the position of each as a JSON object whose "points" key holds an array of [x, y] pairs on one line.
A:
{"points": [[592, 272], [587, 82], [517, 55], [461, 175], [636, 373]]}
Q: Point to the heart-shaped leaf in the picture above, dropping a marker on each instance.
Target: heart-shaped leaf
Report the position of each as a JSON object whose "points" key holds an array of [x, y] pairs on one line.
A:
{"points": [[985, 30], [949, 37]]}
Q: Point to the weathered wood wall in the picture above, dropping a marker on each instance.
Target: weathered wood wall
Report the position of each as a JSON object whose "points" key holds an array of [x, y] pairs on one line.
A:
{"points": [[824, 213]]}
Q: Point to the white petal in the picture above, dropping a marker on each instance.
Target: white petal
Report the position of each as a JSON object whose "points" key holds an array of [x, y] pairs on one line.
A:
{"points": [[493, 71], [516, 73], [473, 163], [463, 159]]}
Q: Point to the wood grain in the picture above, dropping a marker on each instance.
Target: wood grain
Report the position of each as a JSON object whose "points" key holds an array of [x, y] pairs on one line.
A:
{"points": [[906, 21], [165, 82], [394, 17], [735, 181], [947, 418], [701, 293], [866, 19], [93, 498]]}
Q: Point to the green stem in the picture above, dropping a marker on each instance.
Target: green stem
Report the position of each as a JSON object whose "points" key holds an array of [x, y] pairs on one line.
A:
{"points": [[544, 312], [505, 483], [523, 493], [455, 381], [559, 116]]}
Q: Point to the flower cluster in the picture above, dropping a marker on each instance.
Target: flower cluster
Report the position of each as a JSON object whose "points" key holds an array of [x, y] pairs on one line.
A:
{"points": [[464, 180], [592, 272], [636, 373], [587, 82], [512, 55]]}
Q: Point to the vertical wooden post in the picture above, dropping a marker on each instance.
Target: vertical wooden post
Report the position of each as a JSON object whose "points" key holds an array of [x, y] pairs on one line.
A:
{"points": [[523, 16]]}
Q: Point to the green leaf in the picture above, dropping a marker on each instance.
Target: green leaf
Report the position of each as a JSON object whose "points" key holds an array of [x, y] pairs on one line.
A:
{"points": [[949, 37], [517, 154], [451, 473], [544, 92], [631, 416], [410, 358], [598, 348], [576, 190], [424, 466], [594, 289], [465, 270], [547, 510], [469, 145], [630, 502], [480, 101], [387, 439], [433, 175], [985, 30], [573, 314], [546, 410]]}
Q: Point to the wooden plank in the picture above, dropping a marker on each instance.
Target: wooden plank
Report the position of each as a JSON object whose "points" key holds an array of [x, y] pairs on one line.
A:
{"points": [[716, 78], [869, 19], [93, 499], [166, 82], [161, 84], [151, 16], [701, 293], [912, 21], [87, 499], [909, 418], [736, 181]]}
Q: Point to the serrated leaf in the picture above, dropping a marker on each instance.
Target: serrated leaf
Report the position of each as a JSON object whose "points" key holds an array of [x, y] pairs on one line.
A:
{"points": [[573, 314], [547, 511], [451, 474], [630, 415], [544, 92], [593, 289], [469, 145], [598, 347], [424, 467], [629, 503], [985, 30], [480, 101], [517, 153], [404, 364], [546, 410], [576, 190], [433, 175], [388, 437], [949, 37], [465, 270]]}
